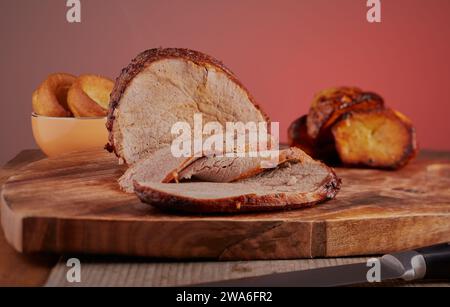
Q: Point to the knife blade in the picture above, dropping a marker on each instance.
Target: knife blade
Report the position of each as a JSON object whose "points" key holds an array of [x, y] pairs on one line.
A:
{"points": [[426, 263]]}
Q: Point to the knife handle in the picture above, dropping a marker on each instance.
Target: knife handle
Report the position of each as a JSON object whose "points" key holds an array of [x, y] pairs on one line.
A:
{"points": [[437, 259]]}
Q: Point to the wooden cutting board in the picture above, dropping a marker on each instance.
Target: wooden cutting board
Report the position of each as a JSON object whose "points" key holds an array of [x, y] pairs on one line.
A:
{"points": [[72, 204]]}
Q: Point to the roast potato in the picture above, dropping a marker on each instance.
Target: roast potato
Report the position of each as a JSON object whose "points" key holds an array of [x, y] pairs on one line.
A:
{"points": [[322, 149], [375, 138], [298, 136], [330, 104]]}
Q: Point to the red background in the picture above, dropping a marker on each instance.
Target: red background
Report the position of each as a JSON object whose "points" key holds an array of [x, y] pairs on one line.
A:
{"points": [[283, 51]]}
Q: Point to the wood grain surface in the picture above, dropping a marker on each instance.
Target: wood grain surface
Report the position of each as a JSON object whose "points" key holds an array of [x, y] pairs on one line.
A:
{"points": [[122, 272], [17, 269], [72, 204]]}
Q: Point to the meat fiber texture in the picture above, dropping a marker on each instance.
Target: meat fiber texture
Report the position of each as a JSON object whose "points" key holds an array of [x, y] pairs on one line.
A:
{"points": [[163, 166], [229, 185], [161, 87]]}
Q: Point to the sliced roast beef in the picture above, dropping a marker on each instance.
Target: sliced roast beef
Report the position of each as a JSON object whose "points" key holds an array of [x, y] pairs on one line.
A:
{"points": [[164, 86], [160, 166], [163, 167], [298, 181], [230, 169], [210, 165], [221, 169]]}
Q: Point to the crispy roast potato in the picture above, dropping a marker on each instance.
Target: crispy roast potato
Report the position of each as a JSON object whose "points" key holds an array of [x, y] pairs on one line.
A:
{"points": [[89, 96], [50, 98], [298, 136], [348, 126], [322, 149], [375, 138], [329, 105]]}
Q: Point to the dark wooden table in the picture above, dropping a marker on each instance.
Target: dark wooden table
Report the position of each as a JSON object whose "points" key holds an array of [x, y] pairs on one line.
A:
{"points": [[36, 270]]}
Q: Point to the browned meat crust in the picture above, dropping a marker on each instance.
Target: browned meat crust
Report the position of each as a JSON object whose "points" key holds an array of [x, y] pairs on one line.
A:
{"points": [[239, 204]]}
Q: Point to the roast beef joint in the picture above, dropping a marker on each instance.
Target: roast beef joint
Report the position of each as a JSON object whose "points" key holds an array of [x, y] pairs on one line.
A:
{"points": [[162, 87]]}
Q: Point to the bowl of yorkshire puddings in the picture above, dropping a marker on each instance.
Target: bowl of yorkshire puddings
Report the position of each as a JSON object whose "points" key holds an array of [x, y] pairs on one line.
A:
{"points": [[69, 113]]}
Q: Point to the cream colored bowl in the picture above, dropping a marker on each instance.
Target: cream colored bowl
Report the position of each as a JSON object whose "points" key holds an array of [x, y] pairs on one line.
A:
{"points": [[58, 135]]}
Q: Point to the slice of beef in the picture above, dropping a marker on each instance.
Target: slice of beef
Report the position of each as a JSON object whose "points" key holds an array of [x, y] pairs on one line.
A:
{"points": [[230, 169], [161, 166], [297, 182], [221, 169]]}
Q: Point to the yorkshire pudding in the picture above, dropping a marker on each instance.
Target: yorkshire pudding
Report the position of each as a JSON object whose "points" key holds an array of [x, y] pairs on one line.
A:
{"points": [[50, 98], [89, 96]]}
